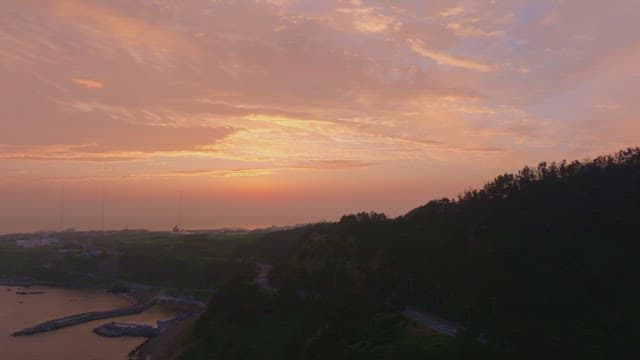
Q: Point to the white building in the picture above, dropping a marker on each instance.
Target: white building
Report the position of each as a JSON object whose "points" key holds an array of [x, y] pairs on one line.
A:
{"points": [[36, 242]]}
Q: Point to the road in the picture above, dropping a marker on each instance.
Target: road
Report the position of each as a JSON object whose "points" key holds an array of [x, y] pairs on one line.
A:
{"points": [[431, 321], [262, 279]]}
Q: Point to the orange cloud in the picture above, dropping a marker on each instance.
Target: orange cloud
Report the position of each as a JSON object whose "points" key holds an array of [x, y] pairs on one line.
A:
{"points": [[366, 20], [107, 21], [108, 141], [271, 94], [419, 47], [88, 83], [263, 171], [468, 30], [452, 11]]}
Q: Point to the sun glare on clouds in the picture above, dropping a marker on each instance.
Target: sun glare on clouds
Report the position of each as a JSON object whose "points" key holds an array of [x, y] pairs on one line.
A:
{"points": [[278, 94]]}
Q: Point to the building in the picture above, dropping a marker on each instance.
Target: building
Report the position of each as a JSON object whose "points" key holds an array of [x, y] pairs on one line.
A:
{"points": [[36, 242]]}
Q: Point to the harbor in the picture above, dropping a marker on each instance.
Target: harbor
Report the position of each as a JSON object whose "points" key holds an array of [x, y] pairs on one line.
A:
{"points": [[77, 319], [190, 307], [77, 342]]}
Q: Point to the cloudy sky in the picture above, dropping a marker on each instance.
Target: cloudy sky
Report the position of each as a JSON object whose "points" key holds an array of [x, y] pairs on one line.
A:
{"points": [[288, 111]]}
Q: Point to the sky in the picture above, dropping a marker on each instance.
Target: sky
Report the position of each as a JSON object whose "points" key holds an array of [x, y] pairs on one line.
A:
{"points": [[280, 112]]}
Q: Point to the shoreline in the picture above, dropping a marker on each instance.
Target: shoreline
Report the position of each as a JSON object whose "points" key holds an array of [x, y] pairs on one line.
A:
{"points": [[133, 297], [28, 282]]}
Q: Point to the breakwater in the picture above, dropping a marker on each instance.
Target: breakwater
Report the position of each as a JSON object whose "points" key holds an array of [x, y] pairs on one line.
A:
{"points": [[82, 318]]}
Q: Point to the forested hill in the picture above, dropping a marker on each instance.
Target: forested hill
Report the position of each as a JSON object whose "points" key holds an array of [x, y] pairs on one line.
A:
{"points": [[544, 261]]}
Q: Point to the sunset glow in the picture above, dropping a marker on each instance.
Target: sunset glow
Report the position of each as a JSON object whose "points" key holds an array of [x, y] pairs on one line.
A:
{"points": [[277, 112]]}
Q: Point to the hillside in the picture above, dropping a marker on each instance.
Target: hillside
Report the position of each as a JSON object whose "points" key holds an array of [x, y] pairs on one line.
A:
{"points": [[542, 262]]}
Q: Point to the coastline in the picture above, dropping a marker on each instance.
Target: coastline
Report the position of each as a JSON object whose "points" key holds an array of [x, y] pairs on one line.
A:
{"points": [[134, 297], [27, 282]]}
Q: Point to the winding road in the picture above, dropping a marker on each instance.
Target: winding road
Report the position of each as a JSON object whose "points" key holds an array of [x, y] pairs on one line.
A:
{"points": [[432, 321], [429, 320]]}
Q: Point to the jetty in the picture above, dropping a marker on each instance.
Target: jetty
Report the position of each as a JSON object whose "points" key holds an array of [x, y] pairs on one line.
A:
{"points": [[83, 318]]}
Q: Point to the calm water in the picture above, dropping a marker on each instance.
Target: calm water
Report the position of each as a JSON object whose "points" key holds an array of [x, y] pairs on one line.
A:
{"points": [[72, 343]]}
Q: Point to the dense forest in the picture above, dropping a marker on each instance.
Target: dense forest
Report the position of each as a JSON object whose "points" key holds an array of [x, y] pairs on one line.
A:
{"points": [[542, 262]]}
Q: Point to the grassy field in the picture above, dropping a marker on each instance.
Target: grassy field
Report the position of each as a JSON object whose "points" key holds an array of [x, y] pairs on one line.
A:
{"points": [[183, 262]]}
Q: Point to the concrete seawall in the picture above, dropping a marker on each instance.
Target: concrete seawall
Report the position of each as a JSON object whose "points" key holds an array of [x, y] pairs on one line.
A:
{"points": [[82, 318], [115, 329]]}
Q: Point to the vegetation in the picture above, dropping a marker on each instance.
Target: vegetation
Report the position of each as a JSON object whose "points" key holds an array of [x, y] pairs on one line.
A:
{"points": [[243, 323], [190, 261], [538, 263], [542, 262], [182, 262]]}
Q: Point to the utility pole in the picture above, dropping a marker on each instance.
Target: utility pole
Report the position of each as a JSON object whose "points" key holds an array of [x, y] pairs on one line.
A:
{"points": [[335, 277], [180, 220], [62, 208], [493, 305], [102, 213]]}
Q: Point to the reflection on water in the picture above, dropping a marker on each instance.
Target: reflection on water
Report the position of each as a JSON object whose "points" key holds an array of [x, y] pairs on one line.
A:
{"points": [[72, 343]]}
